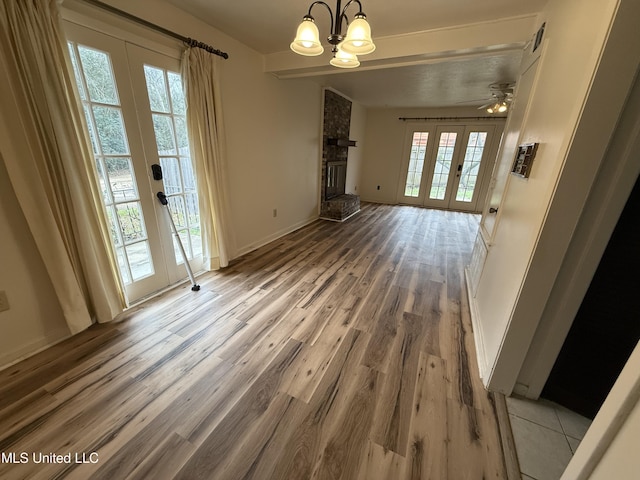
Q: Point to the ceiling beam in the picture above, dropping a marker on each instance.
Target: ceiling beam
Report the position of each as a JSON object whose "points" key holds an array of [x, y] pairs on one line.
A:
{"points": [[417, 48]]}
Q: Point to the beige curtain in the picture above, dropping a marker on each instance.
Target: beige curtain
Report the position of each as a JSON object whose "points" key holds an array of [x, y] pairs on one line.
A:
{"points": [[206, 135], [50, 165]]}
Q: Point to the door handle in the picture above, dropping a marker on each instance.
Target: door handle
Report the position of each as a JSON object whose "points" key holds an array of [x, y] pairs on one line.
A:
{"points": [[163, 198], [459, 170]]}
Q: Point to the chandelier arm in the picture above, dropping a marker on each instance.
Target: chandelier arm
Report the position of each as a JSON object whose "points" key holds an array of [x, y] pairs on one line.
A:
{"points": [[328, 8], [344, 10], [343, 15], [345, 19]]}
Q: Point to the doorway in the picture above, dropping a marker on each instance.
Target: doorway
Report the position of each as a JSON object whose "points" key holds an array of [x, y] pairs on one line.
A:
{"points": [[606, 329], [444, 166], [135, 114]]}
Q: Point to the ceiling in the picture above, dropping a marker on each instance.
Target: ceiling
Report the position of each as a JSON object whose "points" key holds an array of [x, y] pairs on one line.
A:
{"points": [[269, 26], [458, 83]]}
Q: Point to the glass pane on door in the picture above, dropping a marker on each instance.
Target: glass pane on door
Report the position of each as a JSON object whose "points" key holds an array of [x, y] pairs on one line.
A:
{"points": [[442, 167], [93, 72], [166, 99], [471, 166], [416, 163]]}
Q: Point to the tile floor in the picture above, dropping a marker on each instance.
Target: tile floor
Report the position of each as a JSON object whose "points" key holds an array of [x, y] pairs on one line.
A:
{"points": [[546, 436]]}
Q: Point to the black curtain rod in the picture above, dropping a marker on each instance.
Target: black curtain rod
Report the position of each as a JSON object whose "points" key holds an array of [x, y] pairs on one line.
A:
{"points": [[404, 119], [187, 40]]}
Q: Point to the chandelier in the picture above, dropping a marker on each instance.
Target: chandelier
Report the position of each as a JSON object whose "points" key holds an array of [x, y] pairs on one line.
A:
{"points": [[345, 47]]}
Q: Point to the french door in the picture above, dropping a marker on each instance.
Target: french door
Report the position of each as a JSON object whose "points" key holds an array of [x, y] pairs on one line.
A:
{"points": [[135, 113], [444, 165]]}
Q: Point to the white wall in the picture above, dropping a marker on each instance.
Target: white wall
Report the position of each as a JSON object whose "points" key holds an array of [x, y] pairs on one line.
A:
{"points": [[273, 146], [35, 318], [357, 132], [615, 180], [538, 214], [385, 137]]}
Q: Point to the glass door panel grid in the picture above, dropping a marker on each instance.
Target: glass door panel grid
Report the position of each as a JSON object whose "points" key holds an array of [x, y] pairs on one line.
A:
{"points": [[442, 165], [99, 95], [471, 166], [416, 164], [168, 110]]}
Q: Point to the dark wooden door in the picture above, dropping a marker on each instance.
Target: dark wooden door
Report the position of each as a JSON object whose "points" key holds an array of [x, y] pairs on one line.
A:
{"points": [[607, 326]]}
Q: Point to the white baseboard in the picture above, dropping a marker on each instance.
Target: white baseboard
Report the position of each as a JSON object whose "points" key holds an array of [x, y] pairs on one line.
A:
{"points": [[483, 364], [281, 233], [29, 349], [521, 390]]}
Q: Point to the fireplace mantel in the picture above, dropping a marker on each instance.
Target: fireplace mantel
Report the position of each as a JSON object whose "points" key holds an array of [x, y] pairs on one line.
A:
{"points": [[341, 142]]}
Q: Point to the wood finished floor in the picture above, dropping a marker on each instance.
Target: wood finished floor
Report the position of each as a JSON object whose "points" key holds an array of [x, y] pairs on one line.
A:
{"points": [[340, 351]]}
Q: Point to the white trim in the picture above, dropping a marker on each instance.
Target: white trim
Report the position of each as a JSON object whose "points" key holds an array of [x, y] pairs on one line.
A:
{"points": [[27, 350], [476, 324], [275, 236], [521, 390]]}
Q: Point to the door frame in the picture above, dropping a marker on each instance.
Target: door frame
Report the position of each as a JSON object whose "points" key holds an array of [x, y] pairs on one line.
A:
{"points": [[487, 153], [116, 50], [127, 61], [434, 127], [138, 57], [430, 165], [410, 129]]}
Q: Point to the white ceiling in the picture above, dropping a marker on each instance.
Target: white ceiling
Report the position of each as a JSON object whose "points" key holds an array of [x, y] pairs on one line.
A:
{"points": [[459, 83], [269, 26]]}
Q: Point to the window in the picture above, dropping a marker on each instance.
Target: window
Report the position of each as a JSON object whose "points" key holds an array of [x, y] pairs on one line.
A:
{"points": [[471, 166], [416, 163], [97, 87], [168, 110], [442, 165]]}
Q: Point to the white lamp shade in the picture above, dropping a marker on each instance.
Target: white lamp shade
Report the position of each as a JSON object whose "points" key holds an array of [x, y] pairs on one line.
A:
{"points": [[503, 107], [307, 41], [358, 40], [343, 59]]}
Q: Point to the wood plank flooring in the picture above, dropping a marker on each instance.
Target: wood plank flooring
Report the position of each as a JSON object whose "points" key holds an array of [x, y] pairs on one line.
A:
{"points": [[340, 351]]}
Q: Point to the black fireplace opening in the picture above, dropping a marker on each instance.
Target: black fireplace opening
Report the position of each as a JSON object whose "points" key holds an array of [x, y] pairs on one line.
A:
{"points": [[336, 179]]}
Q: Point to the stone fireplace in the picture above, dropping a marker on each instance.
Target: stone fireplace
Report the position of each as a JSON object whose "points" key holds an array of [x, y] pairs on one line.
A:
{"points": [[336, 204]]}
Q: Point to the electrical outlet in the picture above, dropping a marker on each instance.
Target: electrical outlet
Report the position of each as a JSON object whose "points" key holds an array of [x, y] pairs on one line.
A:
{"points": [[4, 301], [275, 212]]}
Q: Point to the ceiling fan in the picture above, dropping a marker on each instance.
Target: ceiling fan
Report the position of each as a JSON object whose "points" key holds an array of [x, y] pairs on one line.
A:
{"points": [[501, 97]]}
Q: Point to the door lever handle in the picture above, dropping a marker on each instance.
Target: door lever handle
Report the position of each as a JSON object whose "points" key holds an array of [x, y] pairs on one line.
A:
{"points": [[493, 210], [163, 198]]}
